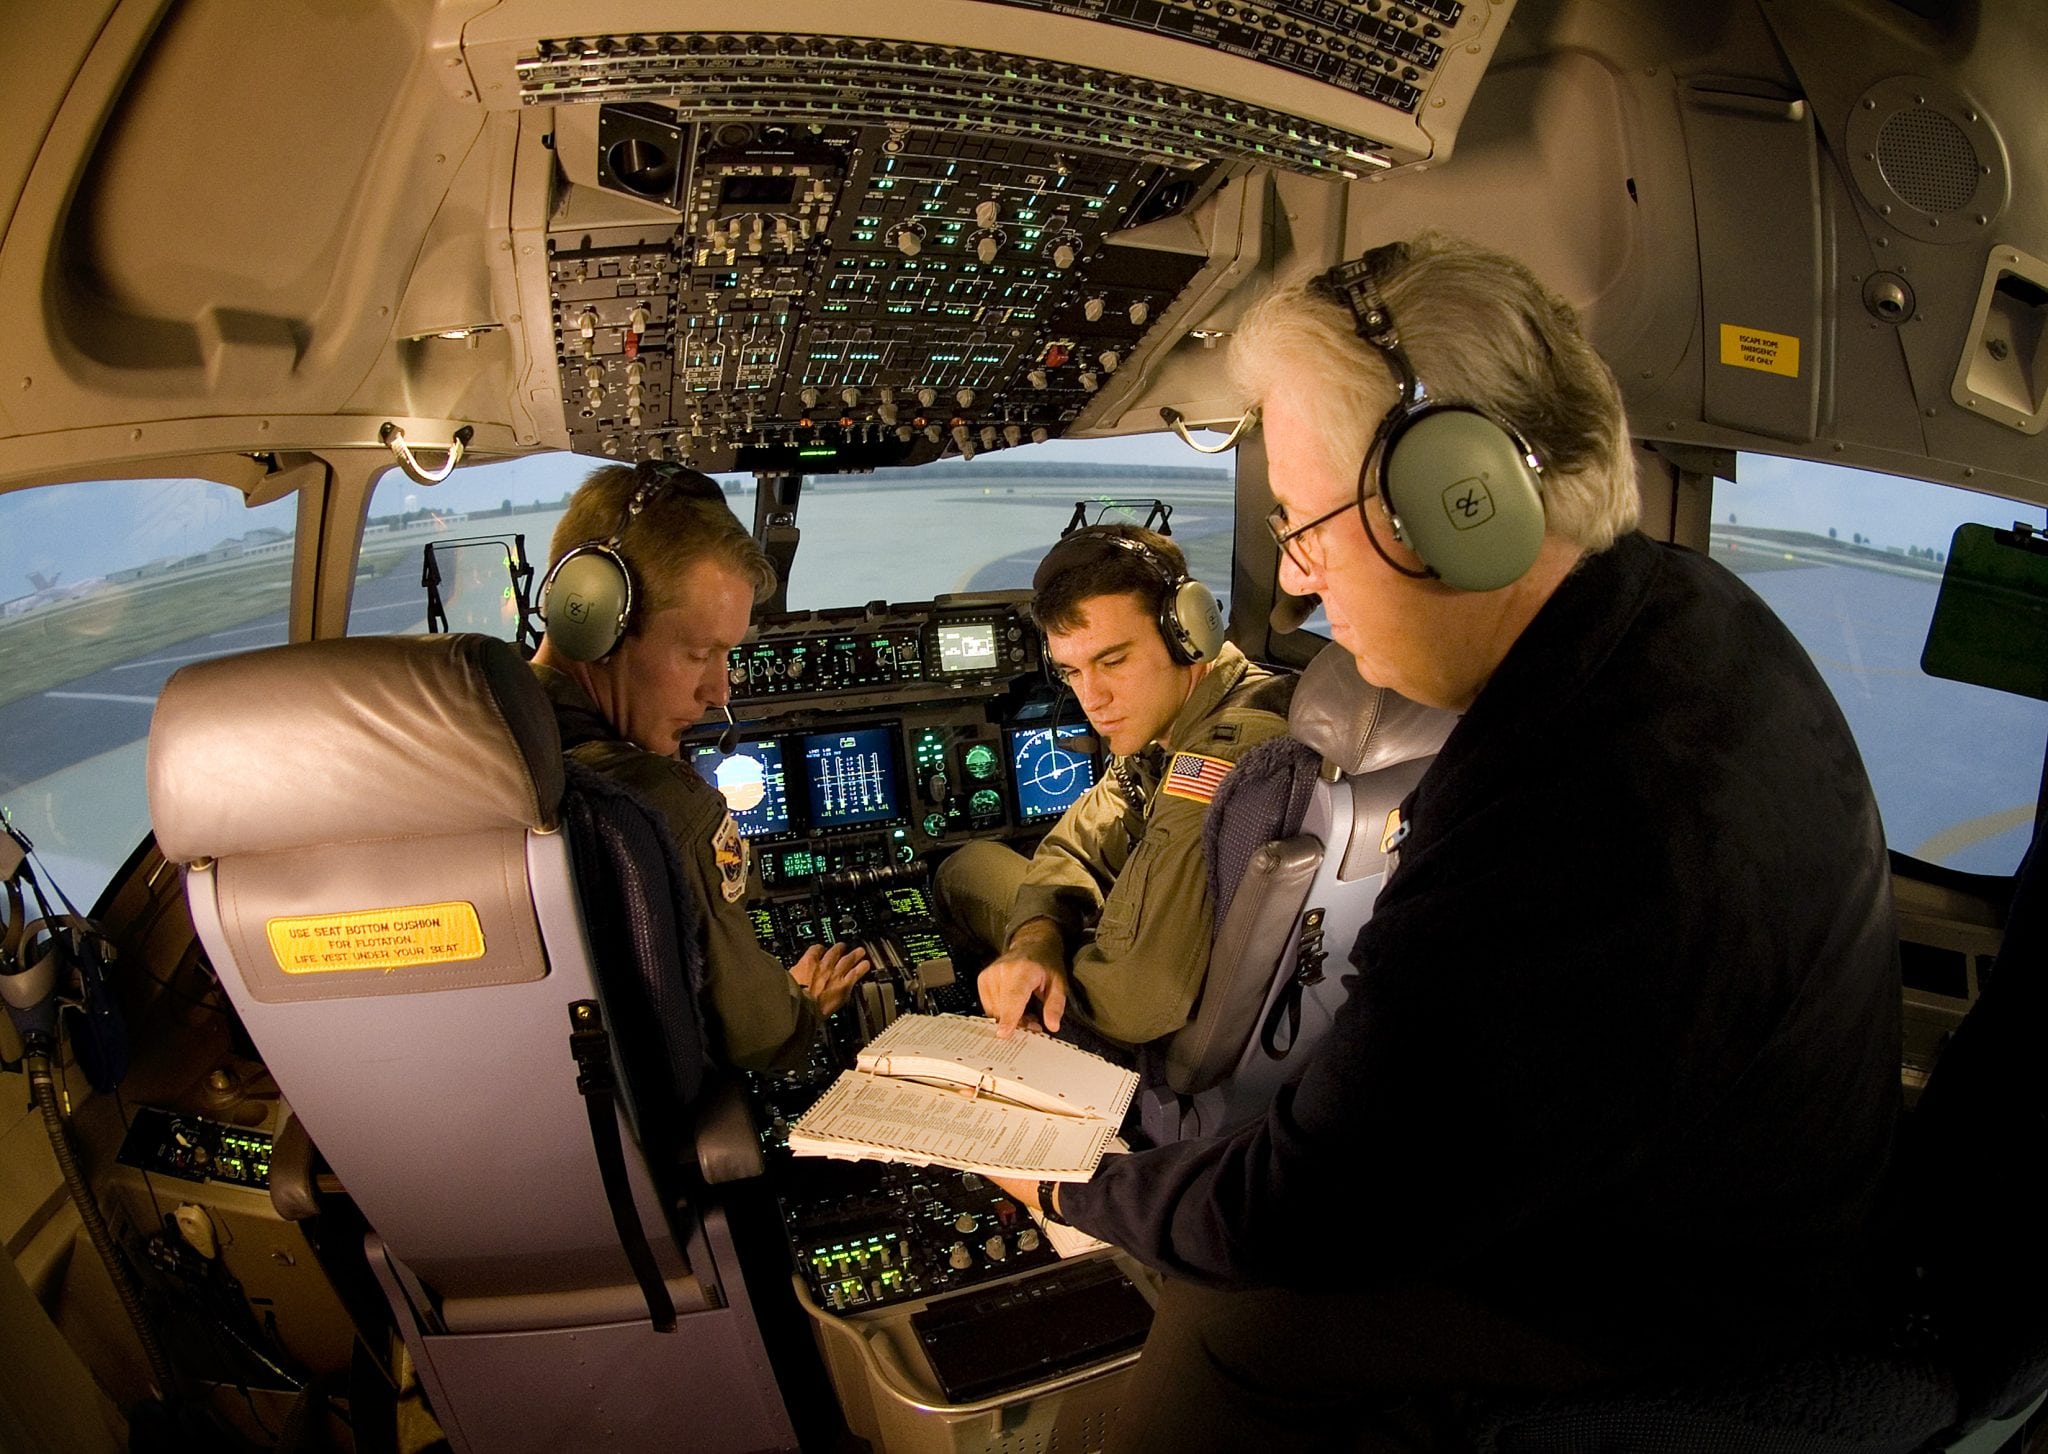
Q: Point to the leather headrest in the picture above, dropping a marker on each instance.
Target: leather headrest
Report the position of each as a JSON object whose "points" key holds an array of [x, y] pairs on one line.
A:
{"points": [[349, 741], [1357, 726]]}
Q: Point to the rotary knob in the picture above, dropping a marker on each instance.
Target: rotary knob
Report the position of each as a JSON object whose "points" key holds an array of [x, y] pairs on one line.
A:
{"points": [[1093, 309]]}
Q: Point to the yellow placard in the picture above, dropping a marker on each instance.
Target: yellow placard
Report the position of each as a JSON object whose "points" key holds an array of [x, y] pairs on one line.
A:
{"points": [[1752, 348], [386, 939]]}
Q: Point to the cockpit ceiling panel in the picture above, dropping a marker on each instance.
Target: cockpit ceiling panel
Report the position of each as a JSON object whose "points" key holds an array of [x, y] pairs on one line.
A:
{"points": [[1337, 87], [841, 297]]}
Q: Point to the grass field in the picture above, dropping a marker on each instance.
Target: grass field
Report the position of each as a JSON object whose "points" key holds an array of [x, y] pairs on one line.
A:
{"points": [[122, 622]]}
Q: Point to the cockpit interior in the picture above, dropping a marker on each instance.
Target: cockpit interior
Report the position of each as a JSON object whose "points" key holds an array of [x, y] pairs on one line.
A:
{"points": [[315, 316]]}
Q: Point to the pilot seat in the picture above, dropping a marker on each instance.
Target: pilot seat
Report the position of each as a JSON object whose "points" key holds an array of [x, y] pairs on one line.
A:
{"points": [[468, 965], [1296, 855]]}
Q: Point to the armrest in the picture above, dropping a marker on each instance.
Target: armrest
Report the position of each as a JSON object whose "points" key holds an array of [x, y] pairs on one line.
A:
{"points": [[1243, 961], [728, 1147], [293, 1190]]}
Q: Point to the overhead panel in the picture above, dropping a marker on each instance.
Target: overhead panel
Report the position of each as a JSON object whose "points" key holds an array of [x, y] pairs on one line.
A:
{"points": [[867, 247]]}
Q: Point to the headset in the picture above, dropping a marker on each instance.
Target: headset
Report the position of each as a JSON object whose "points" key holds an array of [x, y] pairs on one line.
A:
{"points": [[1190, 617], [586, 598], [1462, 487]]}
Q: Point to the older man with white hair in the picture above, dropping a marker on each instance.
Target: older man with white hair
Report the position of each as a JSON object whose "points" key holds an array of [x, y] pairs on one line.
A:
{"points": [[1616, 1085]]}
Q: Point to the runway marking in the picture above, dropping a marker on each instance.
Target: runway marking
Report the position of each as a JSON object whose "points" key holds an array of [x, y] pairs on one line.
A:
{"points": [[1972, 831], [102, 697]]}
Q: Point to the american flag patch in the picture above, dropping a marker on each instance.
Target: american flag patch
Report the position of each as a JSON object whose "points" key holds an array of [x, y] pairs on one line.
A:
{"points": [[1194, 777]]}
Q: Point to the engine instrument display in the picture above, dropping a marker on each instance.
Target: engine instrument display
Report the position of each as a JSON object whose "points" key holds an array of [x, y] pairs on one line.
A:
{"points": [[852, 778]]}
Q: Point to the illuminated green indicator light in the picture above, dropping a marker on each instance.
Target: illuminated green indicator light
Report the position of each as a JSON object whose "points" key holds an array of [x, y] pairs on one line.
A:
{"points": [[816, 453]]}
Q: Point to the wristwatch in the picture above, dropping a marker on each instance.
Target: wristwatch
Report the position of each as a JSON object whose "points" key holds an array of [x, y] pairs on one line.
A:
{"points": [[1046, 1190]]}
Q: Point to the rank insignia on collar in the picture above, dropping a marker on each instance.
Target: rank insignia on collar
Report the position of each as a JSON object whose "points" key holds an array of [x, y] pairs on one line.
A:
{"points": [[1396, 832]]}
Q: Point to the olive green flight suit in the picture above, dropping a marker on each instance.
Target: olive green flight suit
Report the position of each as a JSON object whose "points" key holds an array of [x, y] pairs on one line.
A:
{"points": [[1126, 882], [758, 1016]]}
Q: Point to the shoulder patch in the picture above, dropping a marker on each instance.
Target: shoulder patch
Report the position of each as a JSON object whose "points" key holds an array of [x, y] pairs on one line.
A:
{"points": [[729, 850], [1195, 777]]}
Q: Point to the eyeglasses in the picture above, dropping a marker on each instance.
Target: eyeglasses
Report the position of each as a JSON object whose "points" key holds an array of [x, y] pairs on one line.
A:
{"points": [[1306, 553]]}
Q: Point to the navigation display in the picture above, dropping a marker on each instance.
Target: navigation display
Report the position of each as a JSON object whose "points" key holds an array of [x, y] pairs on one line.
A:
{"points": [[967, 646], [753, 784], [1050, 775], [852, 777]]}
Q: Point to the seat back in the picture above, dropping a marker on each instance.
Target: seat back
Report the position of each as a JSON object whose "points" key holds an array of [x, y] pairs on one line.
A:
{"points": [[379, 869], [1293, 842]]}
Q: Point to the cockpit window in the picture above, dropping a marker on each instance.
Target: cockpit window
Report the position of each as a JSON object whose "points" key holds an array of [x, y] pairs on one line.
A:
{"points": [[896, 535], [106, 588], [983, 524], [1852, 562]]}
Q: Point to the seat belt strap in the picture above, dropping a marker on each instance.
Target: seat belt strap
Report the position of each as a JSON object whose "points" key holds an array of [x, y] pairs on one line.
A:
{"points": [[1309, 958], [592, 1047]]}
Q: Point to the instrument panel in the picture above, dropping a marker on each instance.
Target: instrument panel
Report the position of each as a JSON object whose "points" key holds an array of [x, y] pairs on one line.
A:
{"points": [[869, 743], [868, 739]]}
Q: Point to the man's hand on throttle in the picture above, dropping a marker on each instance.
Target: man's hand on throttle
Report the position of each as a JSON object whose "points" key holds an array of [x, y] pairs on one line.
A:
{"points": [[829, 975]]}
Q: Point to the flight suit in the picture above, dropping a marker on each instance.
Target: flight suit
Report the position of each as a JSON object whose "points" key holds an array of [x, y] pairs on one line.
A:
{"points": [[1124, 878], [759, 1016]]}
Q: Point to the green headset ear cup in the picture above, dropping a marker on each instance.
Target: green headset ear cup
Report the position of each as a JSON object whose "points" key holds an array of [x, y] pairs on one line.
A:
{"points": [[585, 602], [1468, 501], [1198, 618]]}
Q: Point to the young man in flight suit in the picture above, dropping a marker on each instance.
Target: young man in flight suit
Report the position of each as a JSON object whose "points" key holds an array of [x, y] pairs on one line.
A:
{"points": [[696, 575], [1111, 916]]}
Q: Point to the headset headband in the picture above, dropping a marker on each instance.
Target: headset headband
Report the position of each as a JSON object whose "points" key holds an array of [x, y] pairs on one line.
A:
{"points": [[1356, 285]]}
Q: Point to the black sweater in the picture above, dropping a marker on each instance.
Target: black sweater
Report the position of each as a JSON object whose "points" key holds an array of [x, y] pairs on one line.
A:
{"points": [[1622, 1053]]}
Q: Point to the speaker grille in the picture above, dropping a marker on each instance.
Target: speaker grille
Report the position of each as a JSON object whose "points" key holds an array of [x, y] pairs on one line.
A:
{"points": [[1927, 161]]}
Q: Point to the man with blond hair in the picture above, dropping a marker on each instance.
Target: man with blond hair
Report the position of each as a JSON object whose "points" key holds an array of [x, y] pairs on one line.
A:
{"points": [[624, 696], [1616, 1084]]}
